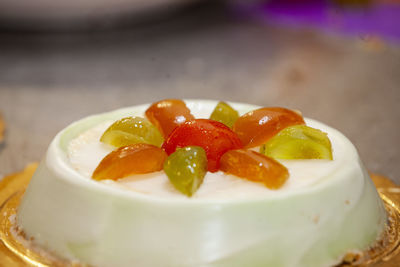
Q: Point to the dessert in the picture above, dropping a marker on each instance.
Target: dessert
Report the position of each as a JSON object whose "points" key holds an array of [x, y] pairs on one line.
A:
{"points": [[312, 213]]}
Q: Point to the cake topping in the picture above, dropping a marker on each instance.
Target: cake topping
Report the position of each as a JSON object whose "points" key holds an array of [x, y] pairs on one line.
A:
{"points": [[168, 114], [186, 168], [128, 160], [298, 142], [132, 130], [225, 114], [256, 127], [254, 166], [214, 137], [196, 146]]}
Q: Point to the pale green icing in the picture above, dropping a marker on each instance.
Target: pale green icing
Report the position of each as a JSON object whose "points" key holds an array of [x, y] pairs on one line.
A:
{"points": [[85, 220]]}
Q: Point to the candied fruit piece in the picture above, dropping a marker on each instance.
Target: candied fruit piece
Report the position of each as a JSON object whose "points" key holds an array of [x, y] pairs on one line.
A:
{"points": [[186, 168], [214, 137], [225, 114], [298, 142], [256, 127], [128, 160], [254, 166], [132, 130], [167, 114]]}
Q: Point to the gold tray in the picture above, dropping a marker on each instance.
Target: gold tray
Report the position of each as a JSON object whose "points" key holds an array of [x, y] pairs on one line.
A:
{"points": [[13, 252]]}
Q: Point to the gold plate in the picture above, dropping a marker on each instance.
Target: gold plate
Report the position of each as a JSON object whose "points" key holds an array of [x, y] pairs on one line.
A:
{"points": [[16, 252]]}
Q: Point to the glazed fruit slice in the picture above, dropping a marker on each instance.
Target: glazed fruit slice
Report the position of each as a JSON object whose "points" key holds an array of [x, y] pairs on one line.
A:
{"points": [[254, 166], [225, 114], [132, 130], [299, 142], [167, 114], [256, 127], [186, 168], [214, 137], [128, 160]]}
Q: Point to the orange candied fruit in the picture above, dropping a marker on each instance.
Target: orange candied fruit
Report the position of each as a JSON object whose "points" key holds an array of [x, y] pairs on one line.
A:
{"points": [[128, 160], [167, 114], [256, 127], [255, 167]]}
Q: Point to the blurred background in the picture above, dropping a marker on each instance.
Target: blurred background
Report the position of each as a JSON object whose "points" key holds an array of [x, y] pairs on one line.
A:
{"points": [[336, 61]]}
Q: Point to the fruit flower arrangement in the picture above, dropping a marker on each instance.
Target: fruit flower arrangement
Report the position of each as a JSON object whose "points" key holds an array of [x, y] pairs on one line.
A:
{"points": [[171, 139]]}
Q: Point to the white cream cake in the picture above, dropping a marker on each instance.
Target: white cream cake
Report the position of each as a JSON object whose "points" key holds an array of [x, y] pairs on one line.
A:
{"points": [[327, 208]]}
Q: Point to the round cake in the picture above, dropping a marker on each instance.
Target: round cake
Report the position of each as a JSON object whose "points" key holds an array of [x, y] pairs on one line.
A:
{"points": [[323, 210]]}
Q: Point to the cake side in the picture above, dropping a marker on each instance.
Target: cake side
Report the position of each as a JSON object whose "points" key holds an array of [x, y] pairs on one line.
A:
{"points": [[104, 226]]}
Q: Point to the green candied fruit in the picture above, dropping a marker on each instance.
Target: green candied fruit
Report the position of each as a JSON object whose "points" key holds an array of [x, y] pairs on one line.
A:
{"points": [[186, 168], [132, 130], [298, 142], [225, 114]]}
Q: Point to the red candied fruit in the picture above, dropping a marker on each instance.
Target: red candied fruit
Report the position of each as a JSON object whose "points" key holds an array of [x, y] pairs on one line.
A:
{"points": [[128, 160], [214, 137], [167, 114], [254, 166], [256, 127]]}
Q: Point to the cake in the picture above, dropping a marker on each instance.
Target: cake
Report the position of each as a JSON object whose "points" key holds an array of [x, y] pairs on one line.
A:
{"points": [[323, 210]]}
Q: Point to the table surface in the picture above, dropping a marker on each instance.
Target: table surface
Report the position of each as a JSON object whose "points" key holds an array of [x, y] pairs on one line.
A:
{"points": [[50, 80]]}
